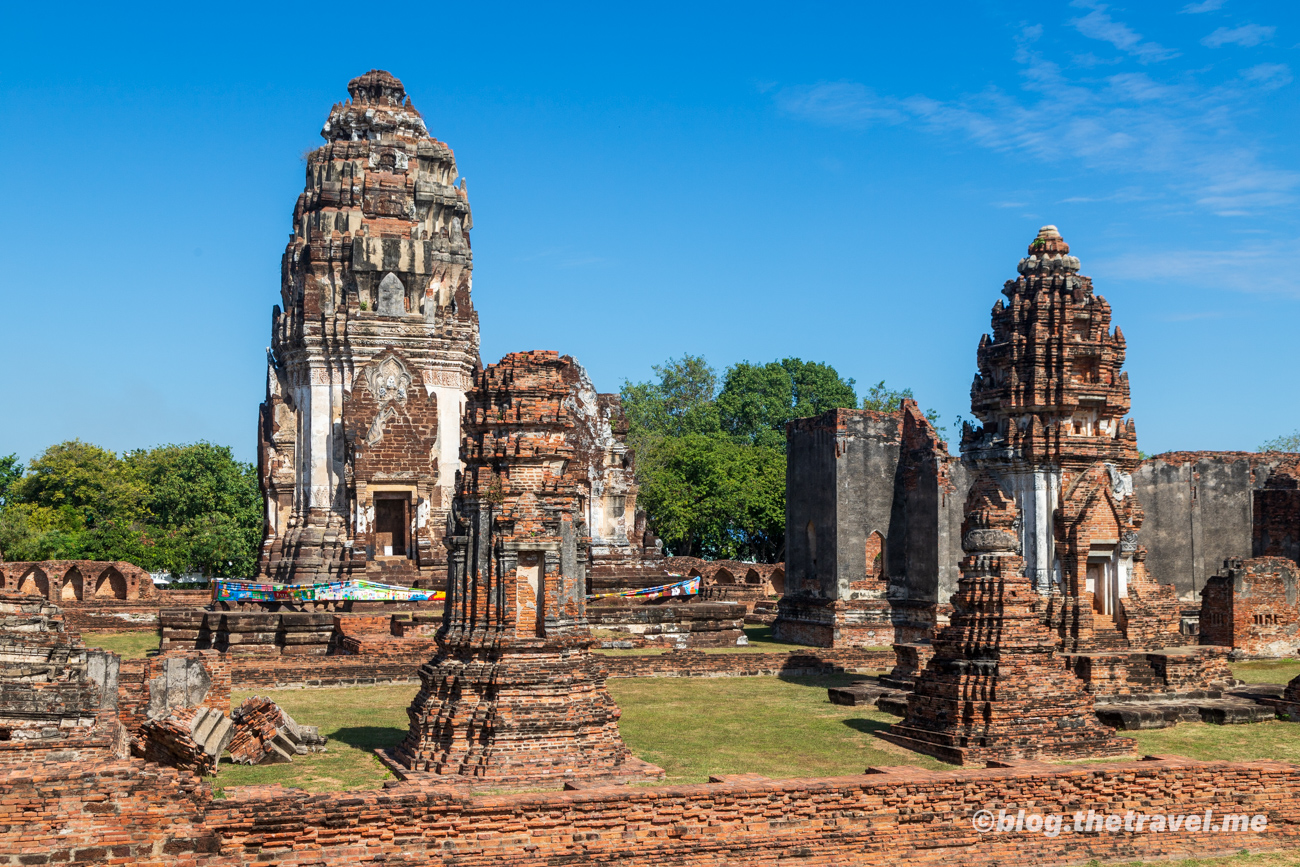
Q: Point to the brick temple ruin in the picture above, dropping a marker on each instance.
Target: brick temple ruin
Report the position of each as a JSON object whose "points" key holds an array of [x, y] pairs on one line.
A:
{"points": [[513, 696], [874, 495]]}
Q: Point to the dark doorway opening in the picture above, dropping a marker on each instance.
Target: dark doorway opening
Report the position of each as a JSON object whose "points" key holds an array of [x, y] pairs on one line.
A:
{"points": [[391, 523]]}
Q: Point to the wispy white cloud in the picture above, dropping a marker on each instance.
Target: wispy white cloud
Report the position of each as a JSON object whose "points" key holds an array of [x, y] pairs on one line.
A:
{"points": [[1203, 6], [840, 103], [1180, 138], [1268, 75], [1257, 267], [1098, 24], [1247, 36]]}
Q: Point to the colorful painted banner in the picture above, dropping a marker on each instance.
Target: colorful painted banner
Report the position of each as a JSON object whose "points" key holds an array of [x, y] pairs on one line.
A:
{"points": [[332, 591], [689, 587]]}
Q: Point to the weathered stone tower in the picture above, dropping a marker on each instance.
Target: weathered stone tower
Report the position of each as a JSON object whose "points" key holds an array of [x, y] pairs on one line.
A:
{"points": [[372, 353], [513, 696]]}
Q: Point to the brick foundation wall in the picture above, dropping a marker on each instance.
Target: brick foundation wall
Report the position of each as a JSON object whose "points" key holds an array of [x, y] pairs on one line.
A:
{"points": [[149, 815], [283, 672]]}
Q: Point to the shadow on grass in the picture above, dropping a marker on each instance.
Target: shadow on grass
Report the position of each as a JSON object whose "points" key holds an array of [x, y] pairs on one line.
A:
{"points": [[820, 681], [369, 737], [868, 726]]}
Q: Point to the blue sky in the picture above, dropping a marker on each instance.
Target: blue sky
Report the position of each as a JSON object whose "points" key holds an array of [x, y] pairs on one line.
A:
{"points": [[848, 184]]}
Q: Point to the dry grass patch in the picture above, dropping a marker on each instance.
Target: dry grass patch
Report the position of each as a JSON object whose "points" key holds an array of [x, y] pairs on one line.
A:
{"points": [[1267, 670]]}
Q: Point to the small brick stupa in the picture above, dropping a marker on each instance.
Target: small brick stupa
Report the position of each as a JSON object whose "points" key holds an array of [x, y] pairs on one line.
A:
{"points": [[514, 698], [996, 688]]}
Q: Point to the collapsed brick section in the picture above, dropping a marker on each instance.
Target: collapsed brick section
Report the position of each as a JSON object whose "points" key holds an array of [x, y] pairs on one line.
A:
{"points": [[695, 624], [372, 354], [995, 687], [58, 698], [513, 695], [189, 738], [264, 734]]}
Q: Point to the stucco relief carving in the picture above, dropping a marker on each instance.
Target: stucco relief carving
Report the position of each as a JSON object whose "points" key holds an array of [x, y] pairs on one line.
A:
{"points": [[388, 380]]}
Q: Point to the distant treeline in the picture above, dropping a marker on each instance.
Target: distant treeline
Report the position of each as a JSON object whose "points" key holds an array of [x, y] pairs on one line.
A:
{"points": [[176, 508], [710, 451]]}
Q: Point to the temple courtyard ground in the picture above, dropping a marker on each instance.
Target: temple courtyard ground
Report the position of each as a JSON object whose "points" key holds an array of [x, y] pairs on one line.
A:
{"points": [[695, 727]]}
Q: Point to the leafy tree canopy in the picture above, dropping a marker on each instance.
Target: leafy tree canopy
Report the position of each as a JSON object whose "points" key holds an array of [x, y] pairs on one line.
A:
{"points": [[756, 400], [1288, 443], [190, 508], [711, 455]]}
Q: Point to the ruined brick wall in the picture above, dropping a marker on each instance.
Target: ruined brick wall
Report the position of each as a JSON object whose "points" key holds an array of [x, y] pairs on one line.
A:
{"points": [[1276, 527], [1253, 607], [69, 582], [276, 673], [162, 817], [375, 288], [1200, 511], [690, 624], [873, 505], [738, 576]]}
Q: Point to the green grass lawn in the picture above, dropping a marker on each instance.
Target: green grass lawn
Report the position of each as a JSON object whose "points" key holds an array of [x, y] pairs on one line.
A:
{"points": [[1268, 859], [356, 720], [695, 727], [128, 645]]}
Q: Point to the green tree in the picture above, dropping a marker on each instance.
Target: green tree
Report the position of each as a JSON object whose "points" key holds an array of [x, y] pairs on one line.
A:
{"points": [[205, 510], [710, 462], [757, 401], [881, 398], [1287, 443], [680, 403], [11, 470], [81, 503], [190, 508]]}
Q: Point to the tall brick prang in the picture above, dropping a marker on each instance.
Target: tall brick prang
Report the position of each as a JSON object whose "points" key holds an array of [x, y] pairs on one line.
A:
{"points": [[513, 696], [996, 687], [1052, 398], [372, 353]]}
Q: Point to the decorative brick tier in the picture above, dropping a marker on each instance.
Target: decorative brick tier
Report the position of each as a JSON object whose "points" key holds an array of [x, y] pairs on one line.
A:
{"points": [[995, 687]]}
